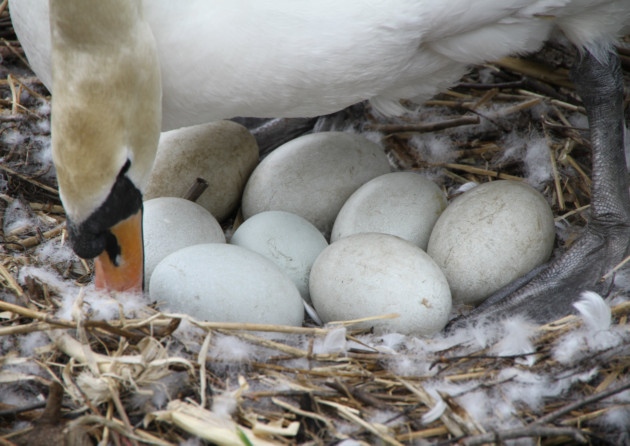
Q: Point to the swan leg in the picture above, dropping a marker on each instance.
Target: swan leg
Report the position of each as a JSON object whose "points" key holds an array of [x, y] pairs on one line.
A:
{"points": [[549, 292], [272, 133]]}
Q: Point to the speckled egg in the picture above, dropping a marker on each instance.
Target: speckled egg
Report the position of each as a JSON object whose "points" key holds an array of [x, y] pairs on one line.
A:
{"points": [[289, 241], [226, 283], [313, 175], [373, 274], [170, 224], [491, 235], [404, 204]]}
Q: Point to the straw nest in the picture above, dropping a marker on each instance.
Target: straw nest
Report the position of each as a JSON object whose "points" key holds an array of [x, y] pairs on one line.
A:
{"points": [[139, 376]]}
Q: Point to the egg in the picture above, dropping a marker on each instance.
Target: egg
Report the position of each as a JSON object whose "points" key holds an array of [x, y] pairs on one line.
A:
{"points": [[372, 274], [404, 204], [313, 175], [226, 283], [289, 241], [170, 224], [491, 235], [221, 153]]}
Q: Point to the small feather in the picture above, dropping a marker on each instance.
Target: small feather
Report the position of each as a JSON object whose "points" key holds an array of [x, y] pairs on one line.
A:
{"points": [[466, 187], [594, 311], [312, 313], [516, 339], [334, 342], [435, 412]]}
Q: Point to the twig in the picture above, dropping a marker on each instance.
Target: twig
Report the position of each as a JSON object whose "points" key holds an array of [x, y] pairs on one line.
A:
{"points": [[506, 111], [196, 189], [15, 97], [24, 328], [249, 327], [32, 314], [13, 50], [287, 349], [349, 414], [11, 282], [556, 176], [498, 437], [7, 413], [581, 403], [497, 85], [46, 207], [50, 321], [43, 186], [113, 390], [615, 269], [487, 97], [585, 178], [116, 425], [455, 423], [426, 128], [424, 433], [201, 360], [536, 70], [304, 413], [35, 240], [357, 394], [277, 328], [480, 171], [573, 212]]}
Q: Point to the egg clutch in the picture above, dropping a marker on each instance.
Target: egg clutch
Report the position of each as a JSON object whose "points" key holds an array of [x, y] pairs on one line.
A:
{"points": [[396, 247]]}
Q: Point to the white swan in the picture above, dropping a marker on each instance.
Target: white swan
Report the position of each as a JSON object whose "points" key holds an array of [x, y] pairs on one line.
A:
{"points": [[281, 58]]}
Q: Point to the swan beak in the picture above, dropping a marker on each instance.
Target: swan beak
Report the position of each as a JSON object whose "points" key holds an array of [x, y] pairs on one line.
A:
{"points": [[126, 272]]}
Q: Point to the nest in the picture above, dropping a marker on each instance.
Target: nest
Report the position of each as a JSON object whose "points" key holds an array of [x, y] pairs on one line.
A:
{"points": [[140, 376]]}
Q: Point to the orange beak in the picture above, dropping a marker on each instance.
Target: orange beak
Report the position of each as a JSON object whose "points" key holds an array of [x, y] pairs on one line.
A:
{"points": [[127, 271]]}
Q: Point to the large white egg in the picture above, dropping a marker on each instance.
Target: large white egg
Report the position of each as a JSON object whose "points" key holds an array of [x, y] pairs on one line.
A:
{"points": [[403, 204], [170, 224], [375, 274], [289, 241], [491, 235], [226, 283], [313, 175], [222, 153]]}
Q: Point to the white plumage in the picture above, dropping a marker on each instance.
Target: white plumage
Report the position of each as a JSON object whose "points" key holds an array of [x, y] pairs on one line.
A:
{"points": [[288, 58], [594, 311]]}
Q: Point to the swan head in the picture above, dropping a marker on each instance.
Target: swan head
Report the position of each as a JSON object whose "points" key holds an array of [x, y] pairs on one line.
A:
{"points": [[106, 119]]}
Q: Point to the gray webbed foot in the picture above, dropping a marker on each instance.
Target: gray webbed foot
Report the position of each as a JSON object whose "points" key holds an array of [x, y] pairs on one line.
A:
{"points": [[550, 292]]}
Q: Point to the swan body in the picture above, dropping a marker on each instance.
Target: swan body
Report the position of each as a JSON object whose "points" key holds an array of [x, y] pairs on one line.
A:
{"points": [[298, 58], [255, 58]]}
